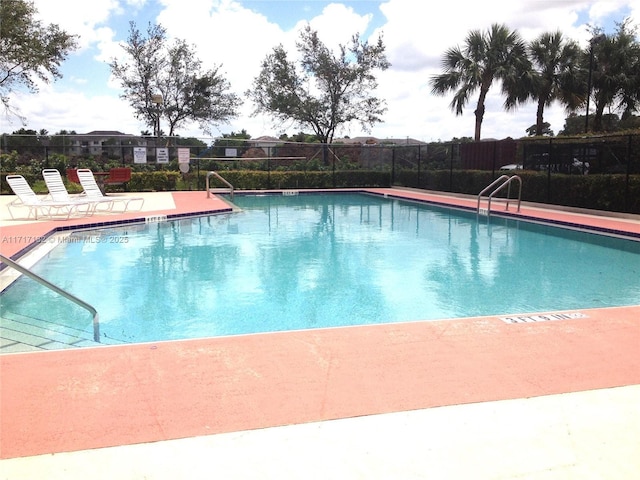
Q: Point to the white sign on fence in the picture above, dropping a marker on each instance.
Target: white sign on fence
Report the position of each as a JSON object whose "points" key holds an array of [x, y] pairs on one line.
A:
{"points": [[139, 155], [162, 155], [183, 155]]}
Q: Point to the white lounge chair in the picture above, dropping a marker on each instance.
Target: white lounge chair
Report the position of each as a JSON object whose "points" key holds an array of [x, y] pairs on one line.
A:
{"points": [[92, 191], [58, 192], [27, 198]]}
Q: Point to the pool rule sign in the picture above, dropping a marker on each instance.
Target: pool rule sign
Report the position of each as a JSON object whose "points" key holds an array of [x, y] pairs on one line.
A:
{"points": [[139, 155], [183, 159], [162, 155]]}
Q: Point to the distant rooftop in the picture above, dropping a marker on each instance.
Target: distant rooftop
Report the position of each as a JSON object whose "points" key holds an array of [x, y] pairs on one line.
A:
{"points": [[378, 141], [104, 133]]}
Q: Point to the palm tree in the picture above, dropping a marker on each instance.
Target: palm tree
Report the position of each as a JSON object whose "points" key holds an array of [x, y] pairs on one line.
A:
{"points": [[615, 72], [556, 74], [498, 54]]}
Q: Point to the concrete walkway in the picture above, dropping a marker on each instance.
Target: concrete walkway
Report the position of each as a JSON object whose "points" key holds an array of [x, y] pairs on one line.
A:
{"points": [[452, 399], [583, 436]]}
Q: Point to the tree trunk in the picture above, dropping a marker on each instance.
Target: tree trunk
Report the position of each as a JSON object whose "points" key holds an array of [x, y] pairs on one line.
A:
{"points": [[479, 112], [540, 117], [597, 118]]}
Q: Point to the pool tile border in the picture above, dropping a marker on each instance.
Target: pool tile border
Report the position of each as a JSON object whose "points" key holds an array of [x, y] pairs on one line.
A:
{"points": [[527, 217], [108, 223]]}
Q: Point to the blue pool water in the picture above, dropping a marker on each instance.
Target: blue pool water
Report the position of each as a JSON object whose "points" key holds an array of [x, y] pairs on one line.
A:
{"points": [[320, 260]]}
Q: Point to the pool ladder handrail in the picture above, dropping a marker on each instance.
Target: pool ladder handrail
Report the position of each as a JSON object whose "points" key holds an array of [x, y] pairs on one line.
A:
{"points": [[55, 288], [504, 181], [219, 177]]}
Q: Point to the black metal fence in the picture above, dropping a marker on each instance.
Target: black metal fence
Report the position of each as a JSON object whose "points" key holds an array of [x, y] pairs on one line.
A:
{"points": [[419, 165]]}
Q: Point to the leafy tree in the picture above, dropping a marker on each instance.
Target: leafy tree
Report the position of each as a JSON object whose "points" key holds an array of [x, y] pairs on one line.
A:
{"points": [[631, 122], [497, 54], [556, 75], [29, 50], [535, 130], [25, 140], [574, 124], [190, 142], [323, 91], [301, 137], [616, 72], [21, 138], [139, 79], [25, 131], [61, 139], [231, 140], [462, 140], [167, 81]]}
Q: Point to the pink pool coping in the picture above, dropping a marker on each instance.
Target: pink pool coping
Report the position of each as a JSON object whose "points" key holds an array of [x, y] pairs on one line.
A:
{"points": [[186, 203], [79, 399]]}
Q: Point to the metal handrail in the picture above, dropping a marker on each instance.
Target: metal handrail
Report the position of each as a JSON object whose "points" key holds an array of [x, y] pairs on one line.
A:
{"points": [[505, 181], [217, 175], [55, 288]]}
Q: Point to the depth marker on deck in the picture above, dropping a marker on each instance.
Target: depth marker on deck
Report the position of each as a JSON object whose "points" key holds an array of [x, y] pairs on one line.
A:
{"points": [[544, 318], [155, 219]]}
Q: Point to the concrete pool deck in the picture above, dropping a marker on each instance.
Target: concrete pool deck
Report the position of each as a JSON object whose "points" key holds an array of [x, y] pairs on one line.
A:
{"points": [[465, 398]]}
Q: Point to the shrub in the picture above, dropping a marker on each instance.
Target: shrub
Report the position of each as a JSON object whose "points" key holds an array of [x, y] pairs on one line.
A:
{"points": [[154, 181]]}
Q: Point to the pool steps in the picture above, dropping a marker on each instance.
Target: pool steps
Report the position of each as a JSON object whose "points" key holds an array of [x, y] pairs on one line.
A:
{"points": [[22, 334]]}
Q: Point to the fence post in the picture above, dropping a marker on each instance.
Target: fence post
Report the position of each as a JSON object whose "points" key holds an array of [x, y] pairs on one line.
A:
{"points": [[627, 180], [451, 169], [45, 143], [419, 162], [393, 165], [493, 161], [550, 160], [333, 163], [269, 168], [198, 168]]}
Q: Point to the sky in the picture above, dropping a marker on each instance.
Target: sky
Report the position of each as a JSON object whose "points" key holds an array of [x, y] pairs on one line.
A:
{"points": [[237, 35]]}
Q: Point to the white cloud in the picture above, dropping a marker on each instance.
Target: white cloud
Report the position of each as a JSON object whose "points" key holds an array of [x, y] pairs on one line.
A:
{"points": [[600, 10], [415, 44], [136, 4], [107, 47], [55, 111], [224, 33], [227, 33], [78, 17], [337, 24]]}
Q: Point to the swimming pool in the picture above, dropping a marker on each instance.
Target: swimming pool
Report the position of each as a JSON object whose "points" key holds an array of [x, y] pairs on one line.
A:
{"points": [[312, 261]]}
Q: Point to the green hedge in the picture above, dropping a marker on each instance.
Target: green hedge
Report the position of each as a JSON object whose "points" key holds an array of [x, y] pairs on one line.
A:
{"points": [[600, 192], [154, 181], [259, 180]]}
